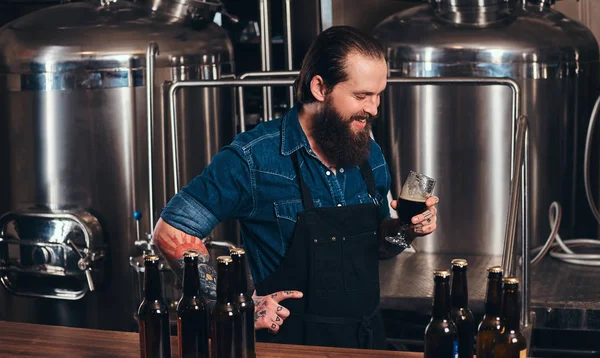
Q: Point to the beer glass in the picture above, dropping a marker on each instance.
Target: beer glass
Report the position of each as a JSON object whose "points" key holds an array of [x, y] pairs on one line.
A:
{"points": [[415, 191]]}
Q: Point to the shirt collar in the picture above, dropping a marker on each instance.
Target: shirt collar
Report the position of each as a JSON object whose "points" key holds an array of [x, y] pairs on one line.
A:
{"points": [[292, 135]]}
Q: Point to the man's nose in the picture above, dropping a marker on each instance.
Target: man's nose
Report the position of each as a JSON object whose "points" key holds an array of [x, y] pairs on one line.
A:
{"points": [[371, 106]]}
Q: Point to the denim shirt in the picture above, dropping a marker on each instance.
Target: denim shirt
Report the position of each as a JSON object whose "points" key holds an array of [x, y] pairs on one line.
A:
{"points": [[253, 180]]}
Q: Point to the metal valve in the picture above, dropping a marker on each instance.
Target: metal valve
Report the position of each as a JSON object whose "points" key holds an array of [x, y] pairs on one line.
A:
{"points": [[84, 265]]}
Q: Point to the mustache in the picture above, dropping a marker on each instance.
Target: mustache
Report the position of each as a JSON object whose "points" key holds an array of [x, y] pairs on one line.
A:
{"points": [[364, 116]]}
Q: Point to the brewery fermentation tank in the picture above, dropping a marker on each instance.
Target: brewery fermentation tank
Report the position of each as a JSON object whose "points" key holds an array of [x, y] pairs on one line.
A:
{"points": [[461, 135], [74, 147]]}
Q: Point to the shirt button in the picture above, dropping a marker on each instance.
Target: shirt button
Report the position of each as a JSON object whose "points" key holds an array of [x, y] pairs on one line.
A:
{"points": [[328, 172], [341, 170], [339, 204]]}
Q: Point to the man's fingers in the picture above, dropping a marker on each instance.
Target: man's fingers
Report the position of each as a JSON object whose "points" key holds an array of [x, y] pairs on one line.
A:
{"points": [[427, 214], [394, 204], [284, 295], [282, 312], [432, 200]]}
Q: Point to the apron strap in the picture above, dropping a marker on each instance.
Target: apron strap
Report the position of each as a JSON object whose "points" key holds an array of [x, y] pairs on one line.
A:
{"points": [[306, 197], [367, 174]]}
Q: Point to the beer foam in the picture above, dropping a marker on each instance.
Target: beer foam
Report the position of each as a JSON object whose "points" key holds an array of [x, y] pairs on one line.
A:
{"points": [[413, 198]]}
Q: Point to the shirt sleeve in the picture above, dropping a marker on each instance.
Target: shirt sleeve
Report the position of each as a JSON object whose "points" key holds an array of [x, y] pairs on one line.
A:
{"points": [[223, 191]]}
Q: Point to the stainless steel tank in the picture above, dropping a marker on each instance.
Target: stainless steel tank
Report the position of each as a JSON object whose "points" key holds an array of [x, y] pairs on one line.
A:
{"points": [[74, 148], [462, 135]]}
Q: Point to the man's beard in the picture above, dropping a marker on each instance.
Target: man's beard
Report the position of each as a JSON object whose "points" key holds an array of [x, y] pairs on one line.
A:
{"points": [[338, 142]]}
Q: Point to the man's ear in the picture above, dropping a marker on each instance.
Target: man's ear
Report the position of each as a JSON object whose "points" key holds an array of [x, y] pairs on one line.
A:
{"points": [[318, 88]]}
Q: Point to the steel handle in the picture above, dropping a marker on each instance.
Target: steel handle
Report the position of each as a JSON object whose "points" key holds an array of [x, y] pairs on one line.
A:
{"points": [[84, 265], [151, 52]]}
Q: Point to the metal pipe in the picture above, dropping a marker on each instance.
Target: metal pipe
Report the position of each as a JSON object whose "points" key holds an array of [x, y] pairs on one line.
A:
{"points": [[525, 249], [511, 224], [174, 87], [265, 46], [258, 74], [151, 52], [287, 11]]}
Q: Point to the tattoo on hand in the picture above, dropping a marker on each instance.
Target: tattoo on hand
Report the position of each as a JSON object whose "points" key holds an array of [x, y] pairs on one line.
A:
{"points": [[279, 308], [288, 292], [208, 281], [274, 295]]}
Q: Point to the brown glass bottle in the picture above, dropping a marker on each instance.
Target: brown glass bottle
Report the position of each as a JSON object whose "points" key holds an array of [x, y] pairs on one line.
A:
{"points": [[491, 323], [441, 339], [153, 314], [226, 322], [192, 315], [244, 302], [460, 313], [510, 343]]}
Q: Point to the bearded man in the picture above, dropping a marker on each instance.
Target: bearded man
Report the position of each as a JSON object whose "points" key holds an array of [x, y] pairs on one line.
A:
{"points": [[310, 191]]}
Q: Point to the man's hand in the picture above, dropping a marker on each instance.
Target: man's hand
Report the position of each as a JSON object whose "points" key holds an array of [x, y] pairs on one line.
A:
{"points": [[426, 222], [268, 313]]}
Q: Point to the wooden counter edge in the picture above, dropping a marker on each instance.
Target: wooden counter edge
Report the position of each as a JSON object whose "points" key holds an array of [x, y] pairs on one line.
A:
{"points": [[28, 339]]}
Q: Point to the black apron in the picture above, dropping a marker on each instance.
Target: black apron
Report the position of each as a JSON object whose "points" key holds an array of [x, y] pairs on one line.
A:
{"points": [[333, 259]]}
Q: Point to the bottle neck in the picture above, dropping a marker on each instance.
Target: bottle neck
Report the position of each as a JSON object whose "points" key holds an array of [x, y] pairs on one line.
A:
{"points": [[191, 279], [493, 300], [441, 299], [510, 309], [460, 294], [224, 281], [152, 287], [240, 285]]}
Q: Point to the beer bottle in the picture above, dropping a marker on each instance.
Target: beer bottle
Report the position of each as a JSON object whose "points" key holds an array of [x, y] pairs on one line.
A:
{"points": [[491, 323], [192, 315], [244, 302], [441, 339], [226, 328], [510, 343], [460, 313], [153, 314]]}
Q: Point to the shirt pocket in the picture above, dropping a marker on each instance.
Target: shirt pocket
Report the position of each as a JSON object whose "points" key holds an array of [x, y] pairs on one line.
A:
{"points": [[365, 198]]}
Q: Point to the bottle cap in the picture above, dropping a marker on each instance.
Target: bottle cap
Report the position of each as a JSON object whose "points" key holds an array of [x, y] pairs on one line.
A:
{"points": [[237, 251], [191, 253], [459, 263], [495, 269], [441, 273], [150, 259], [510, 281], [224, 259]]}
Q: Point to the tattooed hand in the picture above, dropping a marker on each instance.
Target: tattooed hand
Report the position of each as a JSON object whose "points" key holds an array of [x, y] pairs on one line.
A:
{"points": [[172, 243], [426, 222], [268, 313]]}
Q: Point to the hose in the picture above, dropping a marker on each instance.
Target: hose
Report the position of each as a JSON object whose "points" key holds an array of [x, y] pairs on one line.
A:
{"points": [[555, 244]]}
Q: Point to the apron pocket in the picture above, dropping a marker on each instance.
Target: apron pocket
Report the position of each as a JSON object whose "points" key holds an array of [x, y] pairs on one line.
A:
{"points": [[326, 272], [361, 262]]}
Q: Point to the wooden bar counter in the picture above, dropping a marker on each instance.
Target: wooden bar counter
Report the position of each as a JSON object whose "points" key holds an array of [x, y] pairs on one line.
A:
{"points": [[33, 340]]}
